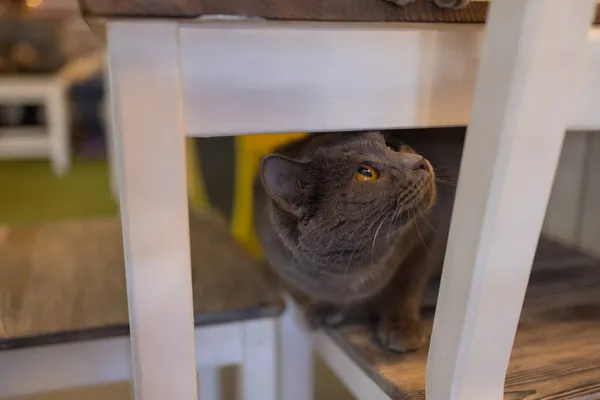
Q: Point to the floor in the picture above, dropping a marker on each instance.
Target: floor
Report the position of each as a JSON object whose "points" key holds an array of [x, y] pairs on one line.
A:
{"points": [[30, 193]]}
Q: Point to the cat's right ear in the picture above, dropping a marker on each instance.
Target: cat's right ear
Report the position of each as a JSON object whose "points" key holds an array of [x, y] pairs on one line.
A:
{"points": [[285, 182]]}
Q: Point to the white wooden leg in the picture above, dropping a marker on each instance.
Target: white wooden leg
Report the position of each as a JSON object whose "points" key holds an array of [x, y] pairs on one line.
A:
{"points": [[258, 372], [144, 76], [296, 358], [58, 129], [209, 383], [525, 81]]}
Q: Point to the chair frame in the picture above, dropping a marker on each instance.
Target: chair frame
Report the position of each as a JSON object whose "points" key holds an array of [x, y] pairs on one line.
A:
{"points": [[518, 88]]}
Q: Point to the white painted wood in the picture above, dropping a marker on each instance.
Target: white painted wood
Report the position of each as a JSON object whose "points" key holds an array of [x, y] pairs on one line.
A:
{"points": [[209, 383], [277, 78], [93, 362], [258, 372], [584, 113], [356, 380], [219, 344], [145, 86], [23, 143], [58, 120], [281, 77], [296, 360], [564, 212], [55, 367], [54, 142], [19, 90], [526, 79], [589, 239]]}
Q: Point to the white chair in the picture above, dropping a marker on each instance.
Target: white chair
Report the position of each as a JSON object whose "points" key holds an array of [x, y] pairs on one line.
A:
{"points": [[64, 320], [173, 78]]}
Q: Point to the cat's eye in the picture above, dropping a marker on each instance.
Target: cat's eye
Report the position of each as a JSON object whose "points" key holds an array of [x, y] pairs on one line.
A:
{"points": [[365, 173], [392, 147]]}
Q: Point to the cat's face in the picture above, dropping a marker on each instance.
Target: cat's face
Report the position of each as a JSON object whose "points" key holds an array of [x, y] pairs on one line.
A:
{"points": [[351, 200]]}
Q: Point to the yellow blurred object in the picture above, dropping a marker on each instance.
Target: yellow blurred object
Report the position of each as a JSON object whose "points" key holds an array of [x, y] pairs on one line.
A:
{"points": [[197, 198], [248, 152], [33, 3]]}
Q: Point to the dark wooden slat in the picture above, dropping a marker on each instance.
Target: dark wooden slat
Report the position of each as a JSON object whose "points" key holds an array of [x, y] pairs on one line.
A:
{"points": [[66, 281], [141, 8], [346, 10], [556, 354], [305, 10]]}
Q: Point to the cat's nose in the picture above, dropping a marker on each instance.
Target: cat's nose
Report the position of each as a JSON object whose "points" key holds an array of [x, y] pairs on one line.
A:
{"points": [[421, 164]]}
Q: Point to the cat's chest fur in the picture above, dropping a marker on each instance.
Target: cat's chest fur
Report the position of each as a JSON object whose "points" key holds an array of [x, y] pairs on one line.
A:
{"points": [[335, 274]]}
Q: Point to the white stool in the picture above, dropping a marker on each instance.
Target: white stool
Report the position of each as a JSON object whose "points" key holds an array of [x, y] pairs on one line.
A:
{"points": [[52, 142], [64, 320]]}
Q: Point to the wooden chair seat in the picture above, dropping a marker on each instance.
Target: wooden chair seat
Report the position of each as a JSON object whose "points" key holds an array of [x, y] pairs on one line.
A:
{"points": [[64, 282], [556, 354]]}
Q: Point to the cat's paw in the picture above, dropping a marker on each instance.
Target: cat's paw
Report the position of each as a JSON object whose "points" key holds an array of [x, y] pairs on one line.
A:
{"points": [[402, 336], [401, 3], [451, 3]]}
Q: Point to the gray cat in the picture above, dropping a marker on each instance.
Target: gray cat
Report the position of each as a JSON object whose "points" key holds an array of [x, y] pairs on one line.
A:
{"points": [[360, 218]]}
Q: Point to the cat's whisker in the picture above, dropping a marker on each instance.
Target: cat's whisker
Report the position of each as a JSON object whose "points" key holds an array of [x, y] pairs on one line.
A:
{"points": [[444, 166], [444, 179], [392, 223], [442, 172], [447, 182], [361, 223], [360, 238], [419, 232], [429, 225], [375, 238]]}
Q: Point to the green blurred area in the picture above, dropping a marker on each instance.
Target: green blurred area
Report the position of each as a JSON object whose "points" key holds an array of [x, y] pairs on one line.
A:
{"points": [[30, 193]]}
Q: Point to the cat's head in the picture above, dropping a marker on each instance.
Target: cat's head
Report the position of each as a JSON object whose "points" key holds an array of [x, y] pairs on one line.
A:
{"points": [[350, 199]]}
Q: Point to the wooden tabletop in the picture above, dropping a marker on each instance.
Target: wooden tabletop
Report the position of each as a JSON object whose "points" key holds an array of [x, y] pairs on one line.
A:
{"points": [[305, 10], [556, 354], [64, 282]]}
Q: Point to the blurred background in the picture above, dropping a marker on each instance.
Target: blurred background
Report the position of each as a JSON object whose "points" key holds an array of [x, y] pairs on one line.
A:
{"points": [[40, 43]]}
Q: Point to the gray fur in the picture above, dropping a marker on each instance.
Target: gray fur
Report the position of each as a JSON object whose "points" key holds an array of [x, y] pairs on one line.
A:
{"points": [[346, 243]]}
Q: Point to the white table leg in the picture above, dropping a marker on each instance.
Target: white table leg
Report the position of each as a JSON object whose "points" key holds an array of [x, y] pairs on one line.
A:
{"points": [[58, 121], [145, 85], [209, 383], [258, 372], [533, 52], [296, 357]]}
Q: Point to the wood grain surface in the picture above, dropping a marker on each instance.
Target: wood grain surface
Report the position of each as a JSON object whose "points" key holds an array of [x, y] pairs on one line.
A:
{"points": [[306, 10], [556, 354], [66, 281], [141, 8]]}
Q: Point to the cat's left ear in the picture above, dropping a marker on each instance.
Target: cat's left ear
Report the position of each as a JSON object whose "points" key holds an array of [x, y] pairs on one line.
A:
{"points": [[285, 181]]}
